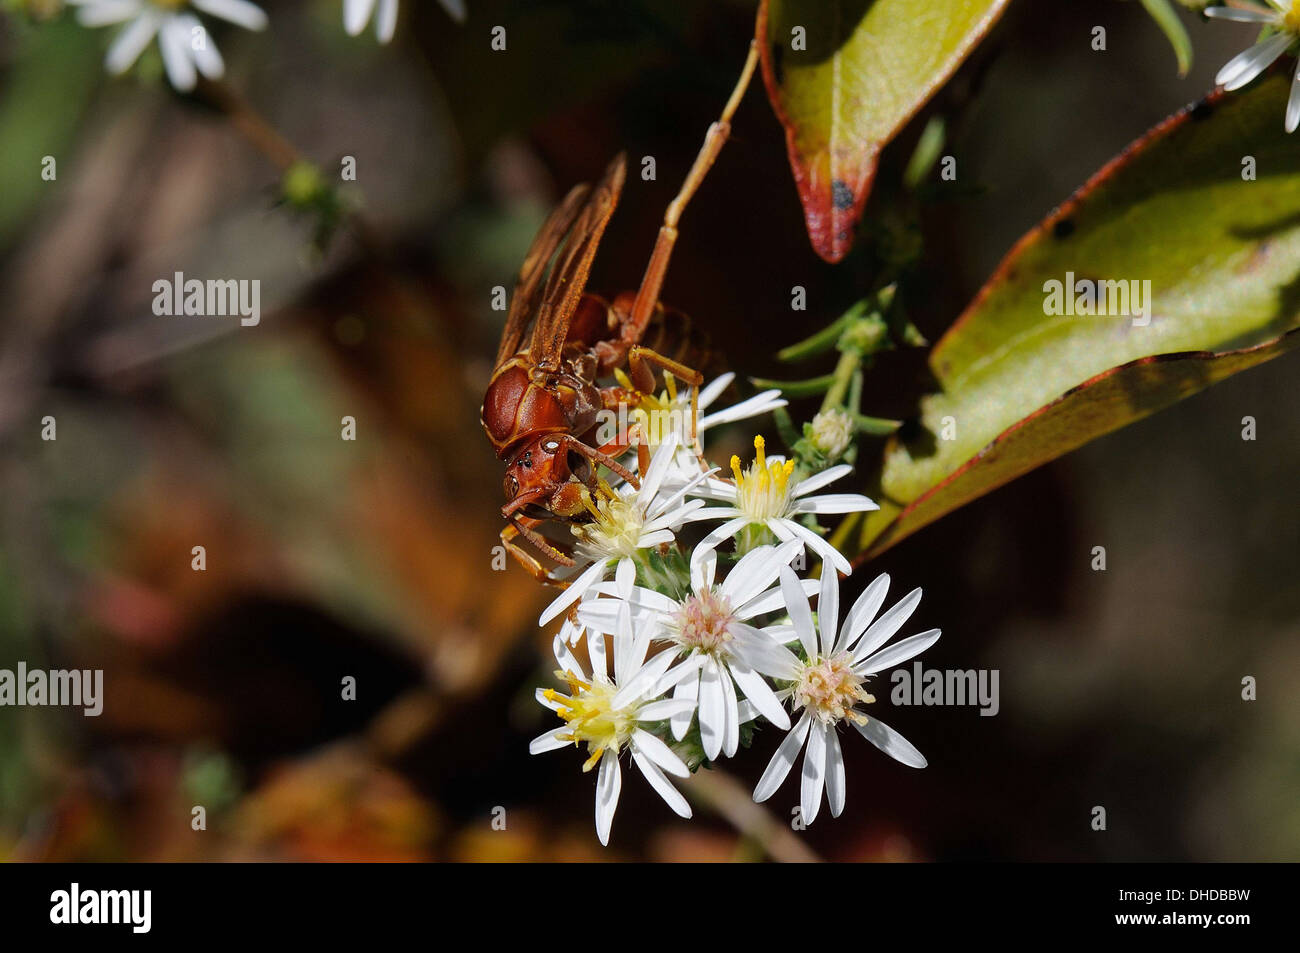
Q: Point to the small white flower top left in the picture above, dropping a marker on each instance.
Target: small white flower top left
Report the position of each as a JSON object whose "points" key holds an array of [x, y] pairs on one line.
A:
{"points": [[605, 712], [187, 48]]}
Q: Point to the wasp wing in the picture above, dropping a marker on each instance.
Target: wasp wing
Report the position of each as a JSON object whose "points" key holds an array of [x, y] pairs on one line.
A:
{"points": [[568, 279], [523, 301]]}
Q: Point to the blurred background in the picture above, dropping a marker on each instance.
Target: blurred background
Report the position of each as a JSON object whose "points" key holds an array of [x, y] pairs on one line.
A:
{"points": [[373, 558]]}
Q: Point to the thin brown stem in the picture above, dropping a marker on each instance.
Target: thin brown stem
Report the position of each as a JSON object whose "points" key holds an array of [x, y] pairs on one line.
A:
{"points": [[251, 124], [726, 797]]}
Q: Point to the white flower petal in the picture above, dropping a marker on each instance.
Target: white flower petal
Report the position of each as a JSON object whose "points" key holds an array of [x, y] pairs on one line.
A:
{"points": [[1241, 16], [731, 729], [819, 480], [658, 752], [883, 628], [564, 657], [800, 613], [386, 22], [356, 14], [828, 608], [174, 42], [833, 503], [759, 651], [107, 12], [1293, 102], [712, 709], [779, 767], [130, 43], [723, 532], [687, 690], [713, 390], [540, 695], [818, 545], [759, 695], [596, 651], [756, 571], [575, 591], [1244, 67], [672, 797], [203, 51], [455, 9], [897, 653], [774, 598], [814, 774], [747, 409], [835, 787], [666, 709], [891, 743], [239, 12], [644, 683], [549, 741], [609, 782], [863, 611]]}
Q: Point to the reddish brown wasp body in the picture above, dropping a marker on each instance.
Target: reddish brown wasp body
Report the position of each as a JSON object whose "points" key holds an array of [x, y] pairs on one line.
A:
{"points": [[543, 405]]}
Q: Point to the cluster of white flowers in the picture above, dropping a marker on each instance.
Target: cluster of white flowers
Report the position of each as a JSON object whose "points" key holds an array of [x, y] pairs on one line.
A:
{"points": [[687, 652], [187, 50]]}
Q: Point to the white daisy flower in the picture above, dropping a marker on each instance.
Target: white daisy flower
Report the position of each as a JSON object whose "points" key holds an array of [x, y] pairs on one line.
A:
{"points": [[712, 624], [670, 412], [830, 684], [187, 49], [357, 13], [606, 713], [626, 523], [1282, 16], [764, 495]]}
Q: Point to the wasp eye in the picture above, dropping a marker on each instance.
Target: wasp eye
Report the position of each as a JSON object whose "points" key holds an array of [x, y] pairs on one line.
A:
{"points": [[512, 487], [551, 446], [527, 461]]}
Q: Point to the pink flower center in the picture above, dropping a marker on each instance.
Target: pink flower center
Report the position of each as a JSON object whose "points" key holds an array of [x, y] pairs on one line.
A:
{"points": [[703, 622], [830, 689]]}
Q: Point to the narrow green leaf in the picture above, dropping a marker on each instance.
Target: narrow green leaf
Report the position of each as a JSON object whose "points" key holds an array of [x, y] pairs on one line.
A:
{"points": [[1166, 17]]}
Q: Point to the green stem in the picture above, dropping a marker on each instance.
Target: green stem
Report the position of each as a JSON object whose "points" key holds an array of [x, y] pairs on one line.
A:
{"points": [[848, 363], [814, 385], [824, 339]]}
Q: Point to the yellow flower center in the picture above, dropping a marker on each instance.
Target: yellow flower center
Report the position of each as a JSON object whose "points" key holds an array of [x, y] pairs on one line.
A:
{"points": [[1291, 19], [170, 4], [591, 717], [616, 526], [830, 689], [762, 491], [656, 416], [703, 622]]}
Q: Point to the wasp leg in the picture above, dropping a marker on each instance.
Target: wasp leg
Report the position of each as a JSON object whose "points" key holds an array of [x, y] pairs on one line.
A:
{"points": [[639, 361], [652, 283], [509, 534], [596, 456], [516, 528]]}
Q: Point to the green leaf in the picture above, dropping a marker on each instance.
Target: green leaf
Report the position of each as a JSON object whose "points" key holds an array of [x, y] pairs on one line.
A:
{"points": [[846, 84], [1166, 17], [1021, 387]]}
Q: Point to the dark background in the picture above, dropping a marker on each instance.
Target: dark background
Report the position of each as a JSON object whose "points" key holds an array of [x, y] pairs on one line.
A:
{"points": [[373, 559]]}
